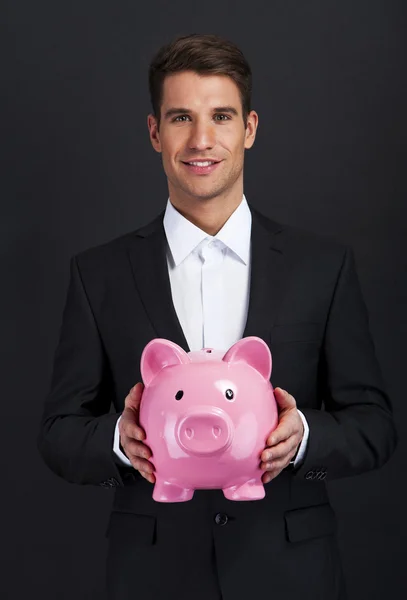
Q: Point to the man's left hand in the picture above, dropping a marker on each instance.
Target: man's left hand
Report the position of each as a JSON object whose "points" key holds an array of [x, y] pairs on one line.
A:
{"points": [[283, 442]]}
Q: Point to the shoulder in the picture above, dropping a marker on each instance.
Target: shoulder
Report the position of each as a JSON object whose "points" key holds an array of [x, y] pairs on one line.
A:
{"points": [[107, 251], [302, 244], [109, 255]]}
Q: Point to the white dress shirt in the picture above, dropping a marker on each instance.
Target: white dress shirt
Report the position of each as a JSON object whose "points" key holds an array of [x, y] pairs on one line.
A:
{"points": [[210, 285]]}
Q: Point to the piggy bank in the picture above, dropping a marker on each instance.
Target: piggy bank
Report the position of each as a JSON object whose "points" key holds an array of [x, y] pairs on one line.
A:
{"points": [[207, 415]]}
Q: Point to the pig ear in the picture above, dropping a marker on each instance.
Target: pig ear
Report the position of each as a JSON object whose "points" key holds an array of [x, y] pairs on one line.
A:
{"points": [[159, 354], [253, 351]]}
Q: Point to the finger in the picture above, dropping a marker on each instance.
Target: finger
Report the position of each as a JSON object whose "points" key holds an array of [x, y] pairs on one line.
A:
{"points": [[149, 476], [133, 398], [140, 464], [268, 476], [284, 399], [281, 433], [290, 424], [275, 465], [137, 449], [129, 426], [281, 450]]}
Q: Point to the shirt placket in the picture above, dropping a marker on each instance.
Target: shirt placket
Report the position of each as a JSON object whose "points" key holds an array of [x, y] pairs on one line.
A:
{"points": [[212, 296]]}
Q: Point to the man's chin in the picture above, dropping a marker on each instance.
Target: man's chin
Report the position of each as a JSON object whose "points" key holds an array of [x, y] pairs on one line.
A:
{"points": [[203, 195]]}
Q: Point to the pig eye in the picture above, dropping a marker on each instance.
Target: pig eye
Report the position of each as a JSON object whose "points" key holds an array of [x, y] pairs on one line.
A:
{"points": [[179, 395], [229, 394]]}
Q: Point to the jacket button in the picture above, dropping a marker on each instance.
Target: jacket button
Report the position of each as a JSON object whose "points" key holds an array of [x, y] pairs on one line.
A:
{"points": [[109, 483], [319, 474], [221, 519]]}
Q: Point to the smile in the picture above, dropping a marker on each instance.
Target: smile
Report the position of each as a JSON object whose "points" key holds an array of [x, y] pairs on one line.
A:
{"points": [[201, 167]]}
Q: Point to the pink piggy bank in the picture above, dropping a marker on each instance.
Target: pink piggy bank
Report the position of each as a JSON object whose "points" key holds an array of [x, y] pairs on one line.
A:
{"points": [[207, 416]]}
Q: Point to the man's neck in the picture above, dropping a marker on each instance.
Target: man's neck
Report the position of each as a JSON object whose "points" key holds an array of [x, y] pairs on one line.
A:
{"points": [[208, 215]]}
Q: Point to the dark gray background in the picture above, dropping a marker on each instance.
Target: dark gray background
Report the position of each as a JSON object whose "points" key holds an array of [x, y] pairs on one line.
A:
{"points": [[330, 91]]}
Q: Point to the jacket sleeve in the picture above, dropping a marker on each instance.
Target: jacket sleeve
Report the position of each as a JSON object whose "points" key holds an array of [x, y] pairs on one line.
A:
{"points": [[77, 431], [355, 432]]}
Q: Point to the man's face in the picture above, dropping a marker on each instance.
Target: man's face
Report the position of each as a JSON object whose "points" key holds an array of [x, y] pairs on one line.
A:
{"points": [[201, 118]]}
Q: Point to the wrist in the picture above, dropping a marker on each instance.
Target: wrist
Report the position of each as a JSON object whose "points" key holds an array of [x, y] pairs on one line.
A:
{"points": [[121, 448], [290, 465], [292, 460]]}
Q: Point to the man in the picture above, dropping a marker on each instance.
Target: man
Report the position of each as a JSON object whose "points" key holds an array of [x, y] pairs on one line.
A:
{"points": [[206, 272]]}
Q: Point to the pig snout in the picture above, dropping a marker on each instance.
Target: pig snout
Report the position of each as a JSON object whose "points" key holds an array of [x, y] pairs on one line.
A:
{"points": [[205, 431]]}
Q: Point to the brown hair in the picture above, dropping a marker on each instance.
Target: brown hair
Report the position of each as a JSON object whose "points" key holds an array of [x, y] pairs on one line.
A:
{"points": [[205, 54]]}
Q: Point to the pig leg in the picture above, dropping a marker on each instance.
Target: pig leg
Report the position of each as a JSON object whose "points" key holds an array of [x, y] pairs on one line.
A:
{"points": [[164, 491], [250, 490]]}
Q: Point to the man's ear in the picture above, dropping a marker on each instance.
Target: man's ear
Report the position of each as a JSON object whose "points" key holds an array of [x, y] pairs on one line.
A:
{"points": [[152, 125], [252, 123]]}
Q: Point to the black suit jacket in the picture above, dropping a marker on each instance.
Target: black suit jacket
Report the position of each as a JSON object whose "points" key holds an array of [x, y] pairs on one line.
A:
{"points": [[305, 302]]}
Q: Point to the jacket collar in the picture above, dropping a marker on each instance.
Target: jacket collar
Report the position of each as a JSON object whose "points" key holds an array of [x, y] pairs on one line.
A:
{"points": [[184, 237], [147, 249]]}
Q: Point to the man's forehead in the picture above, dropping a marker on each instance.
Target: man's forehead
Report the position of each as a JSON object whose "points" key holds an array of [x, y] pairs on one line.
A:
{"points": [[189, 89]]}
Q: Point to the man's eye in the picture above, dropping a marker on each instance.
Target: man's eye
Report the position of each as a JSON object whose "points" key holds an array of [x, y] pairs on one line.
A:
{"points": [[226, 117]]}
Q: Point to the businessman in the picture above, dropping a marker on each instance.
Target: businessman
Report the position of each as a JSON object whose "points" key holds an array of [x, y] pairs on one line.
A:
{"points": [[209, 270]]}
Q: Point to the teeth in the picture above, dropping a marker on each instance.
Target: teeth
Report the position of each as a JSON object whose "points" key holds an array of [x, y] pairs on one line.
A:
{"points": [[202, 164]]}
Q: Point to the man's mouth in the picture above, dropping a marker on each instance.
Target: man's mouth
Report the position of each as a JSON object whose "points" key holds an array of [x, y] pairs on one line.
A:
{"points": [[201, 167]]}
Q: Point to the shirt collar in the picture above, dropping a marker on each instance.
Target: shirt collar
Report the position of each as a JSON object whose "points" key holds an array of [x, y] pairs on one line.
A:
{"points": [[183, 236]]}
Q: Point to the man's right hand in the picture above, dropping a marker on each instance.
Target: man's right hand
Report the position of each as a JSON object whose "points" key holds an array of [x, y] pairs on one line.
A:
{"points": [[131, 434]]}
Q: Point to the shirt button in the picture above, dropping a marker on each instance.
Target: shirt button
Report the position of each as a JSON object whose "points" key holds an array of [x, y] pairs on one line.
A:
{"points": [[221, 519]]}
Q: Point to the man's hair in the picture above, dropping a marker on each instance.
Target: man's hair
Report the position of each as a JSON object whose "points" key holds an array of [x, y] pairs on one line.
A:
{"points": [[206, 54]]}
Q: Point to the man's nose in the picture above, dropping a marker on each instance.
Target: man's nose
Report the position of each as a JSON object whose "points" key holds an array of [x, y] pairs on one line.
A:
{"points": [[202, 136]]}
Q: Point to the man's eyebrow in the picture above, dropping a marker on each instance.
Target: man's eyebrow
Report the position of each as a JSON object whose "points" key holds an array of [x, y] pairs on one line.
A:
{"points": [[179, 110]]}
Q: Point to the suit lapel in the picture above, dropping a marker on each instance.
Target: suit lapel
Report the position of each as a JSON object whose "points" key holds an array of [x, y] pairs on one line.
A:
{"points": [[147, 254], [266, 279]]}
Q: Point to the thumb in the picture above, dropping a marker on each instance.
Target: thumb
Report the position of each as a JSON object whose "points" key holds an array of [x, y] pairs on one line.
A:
{"points": [[284, 399], [133, 398]]}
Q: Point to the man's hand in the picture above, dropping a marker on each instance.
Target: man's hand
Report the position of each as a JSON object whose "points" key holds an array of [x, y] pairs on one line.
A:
{"points": [[131, 435], [283, 442]]}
